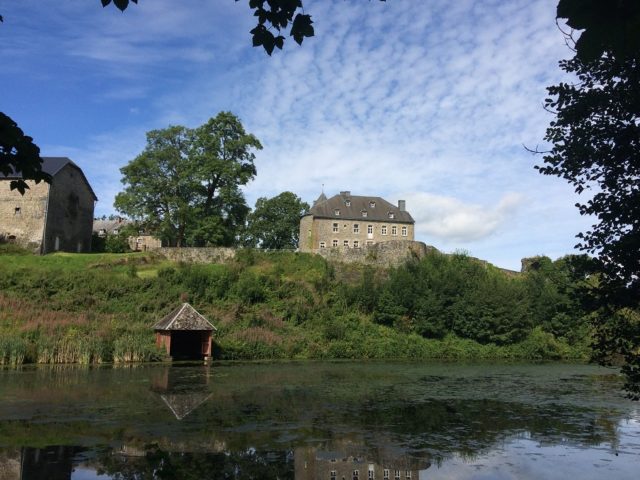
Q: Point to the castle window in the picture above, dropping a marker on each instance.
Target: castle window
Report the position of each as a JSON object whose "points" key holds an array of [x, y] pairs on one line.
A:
{"points": [[371, 473], [370, 229], [383, 230], [397, 475], [407, 474], [17, 211], [372, 204], [392, 215], [334, 243], [386, 473], [356, 228], [335, 228], [364, 213], [394, 230], [309, 233], [356, 244], [356, 474], [336, 212], [323, 245], [334, 474], [345, 243], [404, 231], [347, 203]]}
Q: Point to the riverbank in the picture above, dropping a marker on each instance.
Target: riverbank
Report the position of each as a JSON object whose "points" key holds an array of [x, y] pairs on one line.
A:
{"points": [[98, 308]]}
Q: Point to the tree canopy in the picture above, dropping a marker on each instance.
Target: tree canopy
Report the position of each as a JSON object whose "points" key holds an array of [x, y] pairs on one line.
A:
{"points": [[275, 222], [595, 140], [185, 185], [18, 154]]}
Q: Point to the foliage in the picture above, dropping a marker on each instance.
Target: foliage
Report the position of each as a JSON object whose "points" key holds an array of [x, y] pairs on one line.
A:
{"points": [[18, 154], [185, 185], [92, 308], [595, 141], [275, 222], [608, 26]]}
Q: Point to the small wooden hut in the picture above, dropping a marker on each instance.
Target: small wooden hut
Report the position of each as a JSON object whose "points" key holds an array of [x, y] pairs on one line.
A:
{"points": [[185, 334]]}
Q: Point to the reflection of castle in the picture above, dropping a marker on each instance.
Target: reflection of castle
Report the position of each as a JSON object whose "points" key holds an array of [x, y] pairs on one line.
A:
{"points": [[353, 463]]}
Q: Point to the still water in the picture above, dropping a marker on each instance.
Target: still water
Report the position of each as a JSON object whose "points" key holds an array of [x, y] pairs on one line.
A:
{"points": [[351, 421]]}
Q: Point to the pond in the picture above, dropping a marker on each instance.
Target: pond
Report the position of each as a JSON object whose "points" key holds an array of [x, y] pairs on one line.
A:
{"points": [[332, 420]]}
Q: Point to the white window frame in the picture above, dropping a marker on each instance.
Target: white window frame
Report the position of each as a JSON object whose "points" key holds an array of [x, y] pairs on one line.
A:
{"points": [[383, 230], [323, 245], [356, 228], [372, 204], [404, 231], [347, 203], [364, 213], [392, 215], [345, 243], [336, 212], [336, 228], [334, 243], [369, 229], [356, 244], [394, 230]]}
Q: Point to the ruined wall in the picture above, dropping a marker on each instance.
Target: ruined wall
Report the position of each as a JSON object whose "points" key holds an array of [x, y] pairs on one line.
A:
{"points": [[197, 254], [22, 217], [385, 254], [70, 213]]}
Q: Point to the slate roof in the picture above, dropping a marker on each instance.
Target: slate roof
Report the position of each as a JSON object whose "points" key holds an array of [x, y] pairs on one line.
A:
{"points": [[52, 165], [110, 225], [185, 317], [352, 206]]}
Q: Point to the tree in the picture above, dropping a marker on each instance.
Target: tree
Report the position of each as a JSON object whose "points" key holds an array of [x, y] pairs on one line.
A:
{"points": [[18, 154], [595, 140], [185, 185], [275, 222]]}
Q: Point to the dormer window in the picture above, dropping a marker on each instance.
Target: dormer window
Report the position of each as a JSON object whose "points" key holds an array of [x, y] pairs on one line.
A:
{"points": [[364, 213], [372, 204], [392, 215], [336, 212], [347, 203]]}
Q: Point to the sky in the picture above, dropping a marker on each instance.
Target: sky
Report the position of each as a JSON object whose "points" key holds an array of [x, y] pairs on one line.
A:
{"points": [[427, 101]]}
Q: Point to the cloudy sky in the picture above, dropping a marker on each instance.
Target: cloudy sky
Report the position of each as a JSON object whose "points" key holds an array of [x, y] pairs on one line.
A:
{"points": [[427, 101]]}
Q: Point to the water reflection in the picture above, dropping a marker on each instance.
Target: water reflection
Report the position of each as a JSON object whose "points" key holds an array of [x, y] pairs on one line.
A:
{"points": [[308, 421]]}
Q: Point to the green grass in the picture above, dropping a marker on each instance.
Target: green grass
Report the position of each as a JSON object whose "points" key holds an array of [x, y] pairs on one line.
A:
{"points": [[95, 308]]}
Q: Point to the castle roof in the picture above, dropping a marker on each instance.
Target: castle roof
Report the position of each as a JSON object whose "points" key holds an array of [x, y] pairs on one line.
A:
{"points": [[185, 317], [356, 207]]}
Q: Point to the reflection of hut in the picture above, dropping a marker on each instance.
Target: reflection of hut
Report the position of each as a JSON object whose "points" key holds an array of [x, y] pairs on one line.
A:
{"points": [[185, 334]]}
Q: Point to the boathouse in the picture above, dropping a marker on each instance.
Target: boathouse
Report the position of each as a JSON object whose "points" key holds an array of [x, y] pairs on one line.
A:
{"points": [[185, 334]]}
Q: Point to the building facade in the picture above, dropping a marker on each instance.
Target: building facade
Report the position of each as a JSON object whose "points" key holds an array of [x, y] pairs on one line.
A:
{"points": [[49, 217], [350, 221]]}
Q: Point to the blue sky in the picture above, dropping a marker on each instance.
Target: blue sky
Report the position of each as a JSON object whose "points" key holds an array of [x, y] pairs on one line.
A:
{"points": [[427, 101]]}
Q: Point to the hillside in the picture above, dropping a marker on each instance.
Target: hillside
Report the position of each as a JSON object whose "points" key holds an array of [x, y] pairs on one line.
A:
{"points": [[88, 308]]}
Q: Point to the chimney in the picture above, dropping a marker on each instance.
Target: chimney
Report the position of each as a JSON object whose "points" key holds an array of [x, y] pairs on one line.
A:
{"points": [[345, 194], [402, 205]]}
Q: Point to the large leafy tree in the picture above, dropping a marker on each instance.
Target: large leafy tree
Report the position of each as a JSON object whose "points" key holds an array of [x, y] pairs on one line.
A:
{"points": [[275, 222], [186, 183], [595, 140]]}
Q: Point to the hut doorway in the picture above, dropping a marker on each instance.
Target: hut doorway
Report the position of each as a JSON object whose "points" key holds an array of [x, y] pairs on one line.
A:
{"points": [[189, 345]]}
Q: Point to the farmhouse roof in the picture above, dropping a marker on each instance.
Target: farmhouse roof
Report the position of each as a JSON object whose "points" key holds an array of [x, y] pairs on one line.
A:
{"points": [[52, 165], [185, 317], [356, 207]]}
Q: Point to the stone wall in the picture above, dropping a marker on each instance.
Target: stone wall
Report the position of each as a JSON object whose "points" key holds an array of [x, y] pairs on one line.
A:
{"points": [[70, 213], [197, 254], [386, 254], [22, 217]]}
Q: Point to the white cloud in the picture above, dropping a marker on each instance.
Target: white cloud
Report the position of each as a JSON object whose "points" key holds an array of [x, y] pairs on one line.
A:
{"points": [[447, 218]]}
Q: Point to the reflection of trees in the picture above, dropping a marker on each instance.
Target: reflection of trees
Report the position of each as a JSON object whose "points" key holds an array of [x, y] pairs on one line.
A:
{"points": [[162, 464]]}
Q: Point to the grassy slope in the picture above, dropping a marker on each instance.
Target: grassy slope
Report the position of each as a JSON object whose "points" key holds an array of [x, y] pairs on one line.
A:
{"points": [[86, 308]]}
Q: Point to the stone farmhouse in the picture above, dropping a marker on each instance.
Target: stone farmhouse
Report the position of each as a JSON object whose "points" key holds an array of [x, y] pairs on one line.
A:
{"points": [[49, 217], [351, 221], [141, 242]]}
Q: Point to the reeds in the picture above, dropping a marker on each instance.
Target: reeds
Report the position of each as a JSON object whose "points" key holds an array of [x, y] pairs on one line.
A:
{"points": [[12, 350]]}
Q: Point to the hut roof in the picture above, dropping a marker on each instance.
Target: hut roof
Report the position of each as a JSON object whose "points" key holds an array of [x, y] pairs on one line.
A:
{"points": [[185, 317]]}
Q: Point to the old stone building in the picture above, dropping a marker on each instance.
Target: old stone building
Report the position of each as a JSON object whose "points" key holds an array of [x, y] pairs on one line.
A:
{"points": [[49, 217], [351, 221]]}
